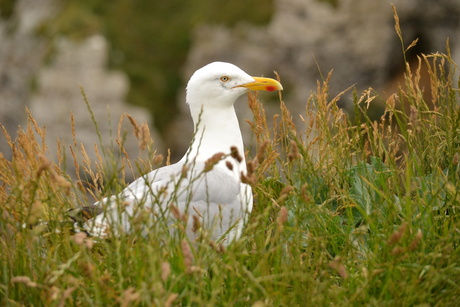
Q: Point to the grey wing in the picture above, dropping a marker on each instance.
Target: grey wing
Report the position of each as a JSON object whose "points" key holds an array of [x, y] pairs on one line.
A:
{"points": [[214, 197], [155, 186], [171, 184], [118, 210]]}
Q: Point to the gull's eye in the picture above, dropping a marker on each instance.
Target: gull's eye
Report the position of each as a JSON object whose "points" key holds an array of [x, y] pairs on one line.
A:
{"points": [[224, 79]]}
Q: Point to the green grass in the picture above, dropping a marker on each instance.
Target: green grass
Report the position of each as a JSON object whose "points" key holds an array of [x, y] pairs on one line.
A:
{"points": [[363, 213]]}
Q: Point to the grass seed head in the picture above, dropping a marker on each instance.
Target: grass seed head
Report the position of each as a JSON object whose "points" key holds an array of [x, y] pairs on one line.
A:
{"points": [[79, 238], [235, 154], [88, 269], [45, 164], [229, 165], [209, 164], [251, 168], [250, 179], [294, 152], [397, 250], [177, 214], [304, 193], [418, 237], [396, 236], [337, 265], [196, 223], [282, 216], [260, 156], [25, 280], [220, 248], [171, 299], [187, 254], [129, 295], [158, 159], [165, 271], [137, 130], [456, 158], [145, 139], [184, 171]]}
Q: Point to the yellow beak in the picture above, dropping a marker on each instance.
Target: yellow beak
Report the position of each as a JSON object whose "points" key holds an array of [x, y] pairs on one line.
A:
{"points": [[263, 84]]}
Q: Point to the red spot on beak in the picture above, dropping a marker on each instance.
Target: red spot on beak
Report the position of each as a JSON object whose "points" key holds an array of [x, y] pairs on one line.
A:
{"points": [[271, 88]]}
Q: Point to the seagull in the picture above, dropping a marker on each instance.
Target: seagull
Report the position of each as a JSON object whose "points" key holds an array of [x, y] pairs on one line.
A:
{"points": [[204, 189]]}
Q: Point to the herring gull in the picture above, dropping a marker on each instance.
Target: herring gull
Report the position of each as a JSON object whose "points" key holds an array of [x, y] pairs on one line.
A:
{"points": [[202, 186]]}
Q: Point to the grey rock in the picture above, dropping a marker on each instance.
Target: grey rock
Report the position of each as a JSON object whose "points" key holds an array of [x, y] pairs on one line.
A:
{"points": [[56, 94], [308, 38], [21, 54], [77, 68]]}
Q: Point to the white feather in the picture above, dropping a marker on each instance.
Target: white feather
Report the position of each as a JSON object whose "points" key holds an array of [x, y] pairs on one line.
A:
{"points": [[218, 196]]}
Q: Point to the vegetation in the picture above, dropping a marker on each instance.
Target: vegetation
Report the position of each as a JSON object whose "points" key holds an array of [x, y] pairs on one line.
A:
{"points": [[347, 213], [6, 8]]}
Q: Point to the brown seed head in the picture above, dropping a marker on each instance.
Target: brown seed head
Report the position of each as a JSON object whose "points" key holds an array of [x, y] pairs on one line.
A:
{"points": [[229, 165], [294, 153], [45, 165], [418, 237], [235, 154], [144, 138], [175, 211], [209, 164], [261, 152], [337, 265], [184, 171], [158, 159], [282, 216], [170, 300], [79, 238], [165, 271], [287, 189], [248, 179], [396, 236], [397, 250], [187, 253], [25, 280], [456, 159], [250, 167], [196, 223]]}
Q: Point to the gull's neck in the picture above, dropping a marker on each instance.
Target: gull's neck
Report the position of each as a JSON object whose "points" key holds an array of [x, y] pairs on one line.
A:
{"points": [[216, 130]]}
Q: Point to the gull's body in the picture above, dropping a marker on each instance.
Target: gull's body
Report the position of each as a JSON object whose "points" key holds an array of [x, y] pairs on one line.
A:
{"points": [[217, 197]]}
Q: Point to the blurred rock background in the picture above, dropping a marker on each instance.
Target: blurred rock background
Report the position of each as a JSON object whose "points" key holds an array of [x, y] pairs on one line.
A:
{"points": [[136, 57]]}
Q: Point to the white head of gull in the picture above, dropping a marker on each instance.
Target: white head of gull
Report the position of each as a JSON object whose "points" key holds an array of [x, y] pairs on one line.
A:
{"points": [[215, 196]]}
